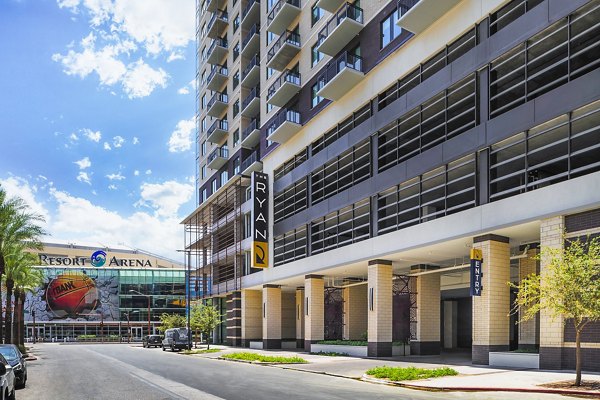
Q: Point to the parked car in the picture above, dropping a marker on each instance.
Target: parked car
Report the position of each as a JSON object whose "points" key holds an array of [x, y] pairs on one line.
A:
{"points": [[152, 341], [7, 380], [176, 339], [16, 359]]}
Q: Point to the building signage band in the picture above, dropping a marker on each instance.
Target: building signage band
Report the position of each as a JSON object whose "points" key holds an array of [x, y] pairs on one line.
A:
{"points": [[260, 220], [476, 272], [97, 259]]}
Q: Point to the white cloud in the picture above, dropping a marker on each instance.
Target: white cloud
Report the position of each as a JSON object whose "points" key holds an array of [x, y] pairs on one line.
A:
{"points": [[175, 55], [181, 138], [84, 177], [115, 177], [91, 135], [112, 187], [15, 186], [136, 173], [184, 90], [136, 140], [107, 146], [73, 137], [118, 142], [84, 163], [165, 198], [71, 4], [141, 79], [148, 172]]}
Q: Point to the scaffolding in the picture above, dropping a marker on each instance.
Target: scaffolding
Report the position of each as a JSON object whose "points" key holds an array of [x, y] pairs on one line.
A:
{"points": [[213, 236]]}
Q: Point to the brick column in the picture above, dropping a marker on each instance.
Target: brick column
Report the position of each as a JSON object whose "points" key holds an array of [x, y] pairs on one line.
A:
{"points": [[314, 310], [355, 312], [490, 310], [529, 333], [379, 295], [300, 317], [428, 311], [271, 317], [251, 316], [551, 329], [234, 318]]}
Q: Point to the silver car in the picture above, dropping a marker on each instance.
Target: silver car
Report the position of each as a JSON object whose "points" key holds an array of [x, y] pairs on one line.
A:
{"points": [[7, 380]]}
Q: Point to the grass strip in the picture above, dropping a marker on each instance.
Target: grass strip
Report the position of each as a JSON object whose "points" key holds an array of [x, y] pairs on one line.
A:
{"points": [[330, 354], [204, 351], [247, 356], [409, 373]]}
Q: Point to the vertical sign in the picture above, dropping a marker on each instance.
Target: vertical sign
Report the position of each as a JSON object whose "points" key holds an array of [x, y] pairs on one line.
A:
{"points": [[260, 220], [476, 272]]}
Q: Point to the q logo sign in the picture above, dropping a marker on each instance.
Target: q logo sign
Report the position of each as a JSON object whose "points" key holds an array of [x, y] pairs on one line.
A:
{"points": [[98, 258]]}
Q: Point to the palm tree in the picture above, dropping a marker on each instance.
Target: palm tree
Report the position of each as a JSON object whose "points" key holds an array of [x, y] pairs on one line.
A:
{"points": [[17, 262], [18, 226], [27, 281]]}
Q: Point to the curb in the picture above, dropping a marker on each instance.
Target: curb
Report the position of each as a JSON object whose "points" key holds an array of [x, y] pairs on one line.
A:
{"points": [[367, 378]]}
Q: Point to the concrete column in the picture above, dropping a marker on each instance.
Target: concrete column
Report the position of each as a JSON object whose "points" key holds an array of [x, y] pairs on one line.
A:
{"points": [[314, 310], [379, 296], [529, 330], [428, 312], [552, 334], [450, 324], [251, 316], [233, 304], [271, 330], [300, 317], [491, 329], [355, 312]]}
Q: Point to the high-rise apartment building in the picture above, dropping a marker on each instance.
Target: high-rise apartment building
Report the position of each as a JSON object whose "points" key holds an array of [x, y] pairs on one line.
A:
{"points": [[400, 138]]}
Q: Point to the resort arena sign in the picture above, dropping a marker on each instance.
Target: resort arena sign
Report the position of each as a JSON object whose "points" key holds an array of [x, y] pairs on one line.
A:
{"points": [[97, 259]]}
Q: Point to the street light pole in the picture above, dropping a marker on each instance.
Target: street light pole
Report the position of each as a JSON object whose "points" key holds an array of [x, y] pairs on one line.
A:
{"points": [[34, 330], [148, 297], [128, 327], [188, 294]]}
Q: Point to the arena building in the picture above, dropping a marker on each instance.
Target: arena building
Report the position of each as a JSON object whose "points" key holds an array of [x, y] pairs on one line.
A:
{"points": [[400, 142], [94, 291]]}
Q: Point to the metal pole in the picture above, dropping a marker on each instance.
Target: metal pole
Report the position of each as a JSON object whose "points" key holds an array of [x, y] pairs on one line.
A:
{"points": [[149, 333], [189, 298], [128, 328], [34, 330]]}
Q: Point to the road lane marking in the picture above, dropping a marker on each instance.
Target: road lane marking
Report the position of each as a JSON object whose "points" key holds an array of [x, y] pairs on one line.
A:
{"points": [[168, 386]]}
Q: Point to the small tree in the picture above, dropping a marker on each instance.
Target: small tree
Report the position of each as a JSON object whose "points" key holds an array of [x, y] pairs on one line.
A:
{"points": [[568, 287], [168, 321], [205, 318]]}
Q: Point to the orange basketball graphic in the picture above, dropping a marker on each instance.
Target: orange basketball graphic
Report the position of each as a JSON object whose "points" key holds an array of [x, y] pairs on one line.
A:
{"points": [[71, 294]]}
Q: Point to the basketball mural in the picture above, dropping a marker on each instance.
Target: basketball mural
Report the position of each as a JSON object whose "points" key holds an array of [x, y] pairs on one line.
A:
{"points": [[72, 294]]}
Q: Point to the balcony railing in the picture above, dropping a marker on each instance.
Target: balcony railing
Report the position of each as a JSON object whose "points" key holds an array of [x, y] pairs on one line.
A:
{"points": [[251, 11], [251, 42], [217, 77], [416, 16], [285, 125], [218, 157], [217, 24], [282, 15], [217, 131], [283, 50], [252, 126], [217, 104], [251, 104], [217, 51], [340, 29], [284, 88], [249, 161], [254, 62], [253, 31], [341, 76]]}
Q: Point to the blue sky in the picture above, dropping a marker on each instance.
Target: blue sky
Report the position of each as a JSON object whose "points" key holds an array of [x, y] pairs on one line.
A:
{"points": [[96, 122]]}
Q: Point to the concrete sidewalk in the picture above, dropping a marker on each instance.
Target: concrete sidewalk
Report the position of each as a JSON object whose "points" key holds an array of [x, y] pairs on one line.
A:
{"points": [[470, 378]]}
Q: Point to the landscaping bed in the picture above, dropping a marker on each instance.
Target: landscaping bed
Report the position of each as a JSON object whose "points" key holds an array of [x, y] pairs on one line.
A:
{"points": [[261, 358], [397, 374], [202, 351]]}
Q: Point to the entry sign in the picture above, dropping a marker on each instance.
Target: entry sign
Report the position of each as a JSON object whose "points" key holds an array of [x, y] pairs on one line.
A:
{"points": [[260, 220], [476, 272]]}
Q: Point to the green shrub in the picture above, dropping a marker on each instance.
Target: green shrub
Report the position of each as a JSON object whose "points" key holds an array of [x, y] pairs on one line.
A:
{"points": [[409, 373], [247, 356], [330, 354], [343, 342]]}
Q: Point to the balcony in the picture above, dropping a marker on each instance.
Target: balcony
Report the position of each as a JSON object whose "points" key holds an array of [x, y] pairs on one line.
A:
{"points": [[217, 104], [251, 74], [282, 14], [341, 76], [285, 125], [217, 51], [217, 24], [251, 134], [423, 14], [251, 42], [251, 164], [251, 104], [284, 88], [217, 131], [283, 50], [340, 29], [214, 5], [217, 77], [218, 157], [330, 5], [251, 13]]}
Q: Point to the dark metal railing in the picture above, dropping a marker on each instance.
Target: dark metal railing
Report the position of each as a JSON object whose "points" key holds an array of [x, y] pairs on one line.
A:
{"points": [[248, 7], [220, 14], [222, 152], [252, 126], [275, 10], [254, 93], [253, 31], [286, 76], [347, 11], [253, 63], [217, 69], [284, 115], [221, 124], [218, 96], [216, 42], [345, 60], [286, 37], [252, 158]]}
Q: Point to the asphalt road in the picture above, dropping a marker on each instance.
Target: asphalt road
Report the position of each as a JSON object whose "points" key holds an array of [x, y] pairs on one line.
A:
{"points": [[115, 371]]}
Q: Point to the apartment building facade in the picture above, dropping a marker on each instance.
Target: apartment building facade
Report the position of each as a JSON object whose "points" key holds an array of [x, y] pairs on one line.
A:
{"points": [[398, 136]]}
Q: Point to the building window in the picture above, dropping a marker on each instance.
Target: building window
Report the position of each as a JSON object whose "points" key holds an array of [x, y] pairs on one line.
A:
{"points": [[236, 23], [270, 72], [236, 79], [224, 177], [389, 30], [236, 166], [204, 101], [315, 56], [236, 137], [214, 185], [314, 98], [204, 148], [203, 124], [236, 108], [247, 225], [269, 107], [204, 196], [203, 172], [270, 37], [315, 15], [236, 51]]}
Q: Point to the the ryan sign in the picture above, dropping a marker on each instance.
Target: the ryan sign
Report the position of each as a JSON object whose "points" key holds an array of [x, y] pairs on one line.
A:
{"points": [[260, 220]]}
